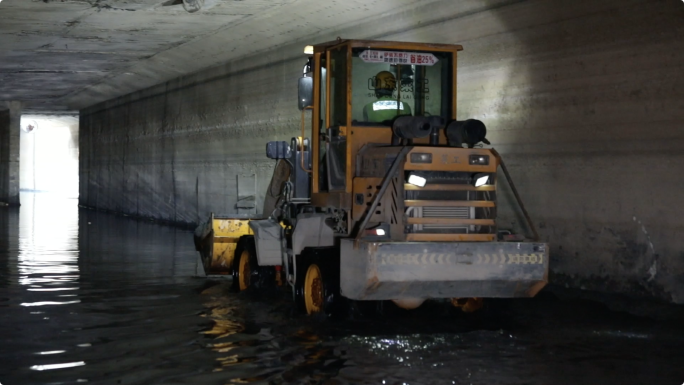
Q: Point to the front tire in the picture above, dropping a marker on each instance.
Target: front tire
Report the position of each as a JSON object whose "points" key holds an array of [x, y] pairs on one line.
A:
{"points": [[318, 288]]}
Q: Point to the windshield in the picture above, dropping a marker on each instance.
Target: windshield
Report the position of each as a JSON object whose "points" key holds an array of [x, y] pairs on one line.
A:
{"points": [[391, 83]]}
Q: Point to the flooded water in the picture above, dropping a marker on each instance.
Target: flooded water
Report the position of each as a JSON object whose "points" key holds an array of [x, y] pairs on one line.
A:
{"points": [[88, 297]]}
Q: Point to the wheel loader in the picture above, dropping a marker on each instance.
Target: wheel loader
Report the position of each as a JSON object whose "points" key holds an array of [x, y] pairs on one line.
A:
{"points": [[384, 196]]}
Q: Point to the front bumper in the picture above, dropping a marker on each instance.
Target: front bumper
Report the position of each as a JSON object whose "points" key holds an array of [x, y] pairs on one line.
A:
{"points": [[398, 270]]}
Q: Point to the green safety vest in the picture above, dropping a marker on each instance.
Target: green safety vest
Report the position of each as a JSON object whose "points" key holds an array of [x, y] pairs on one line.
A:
{"points": [[383, 109]]}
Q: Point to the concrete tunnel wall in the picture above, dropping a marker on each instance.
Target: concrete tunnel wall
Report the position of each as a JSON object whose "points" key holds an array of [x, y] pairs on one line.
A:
{"points": [[584, 99]]}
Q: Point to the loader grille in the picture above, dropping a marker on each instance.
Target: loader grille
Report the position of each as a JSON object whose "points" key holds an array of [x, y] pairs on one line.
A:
{"points": [[450, 208]]}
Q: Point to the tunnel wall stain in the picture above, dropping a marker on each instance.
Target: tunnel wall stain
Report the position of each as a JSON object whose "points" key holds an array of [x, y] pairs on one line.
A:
{"points": [[584, 99]]}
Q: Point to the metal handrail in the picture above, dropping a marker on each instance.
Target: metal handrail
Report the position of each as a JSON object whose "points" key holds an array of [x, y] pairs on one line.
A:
{"points": [[301, 140], [383, 187], [515, 192]]}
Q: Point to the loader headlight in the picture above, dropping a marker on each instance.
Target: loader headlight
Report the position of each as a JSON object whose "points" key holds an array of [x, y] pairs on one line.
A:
{"points": [[421, 158], [380, 230], [480, 179], [417, 180], [479, 160]]}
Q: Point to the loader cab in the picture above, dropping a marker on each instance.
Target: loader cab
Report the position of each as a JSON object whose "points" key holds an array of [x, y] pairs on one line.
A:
{"points": [[371, 104], [352, 106]]}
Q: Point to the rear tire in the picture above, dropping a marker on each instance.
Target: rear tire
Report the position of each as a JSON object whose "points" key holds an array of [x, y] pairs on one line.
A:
{"points": [[245, 266], [314, 295]]}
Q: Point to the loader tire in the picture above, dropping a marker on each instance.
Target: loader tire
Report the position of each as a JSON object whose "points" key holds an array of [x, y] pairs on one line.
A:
{"points": [[314, 292], [318, 289], [245, 266]]}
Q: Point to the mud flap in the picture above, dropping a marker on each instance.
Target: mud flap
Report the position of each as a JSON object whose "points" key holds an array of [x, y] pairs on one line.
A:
{"points": [[388, 270]]}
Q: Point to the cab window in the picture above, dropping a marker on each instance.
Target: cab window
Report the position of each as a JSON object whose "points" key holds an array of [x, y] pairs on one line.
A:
{"points": [[336, 143], [338, 87], [391, 83]]}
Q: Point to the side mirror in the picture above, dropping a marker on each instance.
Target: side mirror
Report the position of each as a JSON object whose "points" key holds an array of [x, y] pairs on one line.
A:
{"points": [[305, 97], [278, 150]]}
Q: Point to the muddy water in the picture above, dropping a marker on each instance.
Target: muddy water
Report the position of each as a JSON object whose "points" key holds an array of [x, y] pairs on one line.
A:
{"points": [[87, 297]]}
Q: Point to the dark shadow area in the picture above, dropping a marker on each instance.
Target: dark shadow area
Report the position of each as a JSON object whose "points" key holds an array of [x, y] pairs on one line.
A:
{"points": [[9, 225], [567, 89]]}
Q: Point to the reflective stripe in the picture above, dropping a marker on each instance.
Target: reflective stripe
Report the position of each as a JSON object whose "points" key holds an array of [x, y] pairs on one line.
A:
{"points": [[387, 105]]}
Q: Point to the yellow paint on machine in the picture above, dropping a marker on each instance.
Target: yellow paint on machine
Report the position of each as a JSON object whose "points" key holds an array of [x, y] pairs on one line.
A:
{"points": [[227, 232]]}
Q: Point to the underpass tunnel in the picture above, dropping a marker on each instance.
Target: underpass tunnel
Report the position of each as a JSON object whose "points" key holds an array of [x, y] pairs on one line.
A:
{"points": [[130, 123], [582, 99]]}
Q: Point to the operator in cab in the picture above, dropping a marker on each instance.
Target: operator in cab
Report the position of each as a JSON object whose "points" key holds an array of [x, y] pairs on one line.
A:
{"points": [[385, 108]]}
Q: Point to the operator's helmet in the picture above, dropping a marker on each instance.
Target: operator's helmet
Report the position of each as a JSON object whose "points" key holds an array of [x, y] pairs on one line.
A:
{"points": [[384, 80]]}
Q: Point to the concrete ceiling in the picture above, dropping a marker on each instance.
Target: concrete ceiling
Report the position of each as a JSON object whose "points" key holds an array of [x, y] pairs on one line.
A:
{"points": [[59, 56]]}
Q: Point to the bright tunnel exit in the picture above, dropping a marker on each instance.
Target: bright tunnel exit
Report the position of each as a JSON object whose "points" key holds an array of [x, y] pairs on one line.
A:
{"points": [[49, 155]]}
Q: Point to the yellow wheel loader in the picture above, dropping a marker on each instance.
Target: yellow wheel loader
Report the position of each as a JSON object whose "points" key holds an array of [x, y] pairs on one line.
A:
{"points": [[386, 196]]}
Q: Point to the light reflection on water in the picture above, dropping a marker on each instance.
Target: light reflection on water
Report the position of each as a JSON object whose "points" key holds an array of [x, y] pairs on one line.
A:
{"points": [[48, 247], [52, 352], [46, 260], [45, 303], [87, 297], [57, 366]]}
